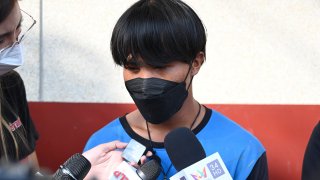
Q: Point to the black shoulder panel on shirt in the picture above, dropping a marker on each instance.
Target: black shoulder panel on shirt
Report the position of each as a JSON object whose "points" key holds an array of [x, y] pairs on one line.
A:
{"points": [[260, 169]]}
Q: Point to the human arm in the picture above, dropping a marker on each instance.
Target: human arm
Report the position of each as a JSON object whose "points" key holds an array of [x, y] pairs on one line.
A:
{"points": [[105, 158], [101, 153], [32, 159]]}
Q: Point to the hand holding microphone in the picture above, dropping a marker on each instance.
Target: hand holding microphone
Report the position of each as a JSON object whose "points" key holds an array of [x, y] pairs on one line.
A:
{"points": [[108, 162], [149, 170], [101, 153], [78, 166], [104, 159]]}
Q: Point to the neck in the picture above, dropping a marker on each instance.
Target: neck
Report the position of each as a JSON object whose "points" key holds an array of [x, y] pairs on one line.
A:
{"points": [[188, 116], [183, 118]]}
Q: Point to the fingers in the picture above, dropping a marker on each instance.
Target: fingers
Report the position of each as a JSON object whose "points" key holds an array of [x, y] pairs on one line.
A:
{"points": [[110, 146], [143, 159], [149, 153], [120, 145], [133, 164]]}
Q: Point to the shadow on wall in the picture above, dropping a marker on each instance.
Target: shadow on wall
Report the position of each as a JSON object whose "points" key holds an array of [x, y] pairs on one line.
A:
{"points": [[77, 72]]}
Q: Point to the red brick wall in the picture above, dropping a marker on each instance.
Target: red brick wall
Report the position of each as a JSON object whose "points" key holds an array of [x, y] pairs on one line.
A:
{"points": [[283, 129]]}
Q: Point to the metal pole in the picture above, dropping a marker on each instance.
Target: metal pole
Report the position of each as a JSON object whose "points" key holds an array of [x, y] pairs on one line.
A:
{"points": [[41, 52]]}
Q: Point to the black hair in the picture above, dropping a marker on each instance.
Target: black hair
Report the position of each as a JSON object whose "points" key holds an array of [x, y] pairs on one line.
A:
{"points": [[159, 32], [6, 7]]}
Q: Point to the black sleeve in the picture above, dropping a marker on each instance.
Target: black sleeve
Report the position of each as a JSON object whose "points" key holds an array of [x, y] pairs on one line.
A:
{"points": [[260, 169], [25, 116], [311, 161]]}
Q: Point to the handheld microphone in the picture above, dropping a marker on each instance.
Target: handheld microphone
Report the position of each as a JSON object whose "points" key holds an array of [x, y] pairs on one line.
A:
{"points": [[183, 148], [148, 171], [75, 168], [132, 153], [188, 157]]}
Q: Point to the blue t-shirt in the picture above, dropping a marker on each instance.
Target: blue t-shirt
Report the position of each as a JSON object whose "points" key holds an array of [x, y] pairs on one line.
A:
{"points": [[238, 148]]}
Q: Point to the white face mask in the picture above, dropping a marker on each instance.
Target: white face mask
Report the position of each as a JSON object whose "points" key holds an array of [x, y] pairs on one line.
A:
{"points": [[11, 58]]}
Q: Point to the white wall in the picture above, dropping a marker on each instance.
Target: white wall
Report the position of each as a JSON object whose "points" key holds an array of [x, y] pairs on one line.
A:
{"points": [[261, 52]]}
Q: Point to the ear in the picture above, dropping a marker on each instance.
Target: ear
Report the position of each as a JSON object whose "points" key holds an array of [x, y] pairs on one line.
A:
{"points": [[197, 63]]}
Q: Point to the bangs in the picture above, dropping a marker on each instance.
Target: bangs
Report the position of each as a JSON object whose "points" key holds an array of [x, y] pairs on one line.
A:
{"points": [[159, 32]]}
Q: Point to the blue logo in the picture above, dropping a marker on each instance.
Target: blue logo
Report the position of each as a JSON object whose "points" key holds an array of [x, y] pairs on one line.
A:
{"points": [[215, 169]]}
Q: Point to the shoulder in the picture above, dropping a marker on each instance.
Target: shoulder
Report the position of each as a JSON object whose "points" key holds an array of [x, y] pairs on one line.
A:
{"points": [[224, 127], [228, 130], [110, 132], [11, 76], [239, 148], [14, 95], [12, 83], [107, 130]]}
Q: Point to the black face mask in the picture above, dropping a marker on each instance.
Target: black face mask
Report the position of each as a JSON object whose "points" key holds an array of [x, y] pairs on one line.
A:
{"points": [[157, 99]]}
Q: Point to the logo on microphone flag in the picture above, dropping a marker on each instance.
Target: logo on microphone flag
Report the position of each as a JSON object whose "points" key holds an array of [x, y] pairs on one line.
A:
{"points": [[209, 168], [199, 174], [215, 168]]}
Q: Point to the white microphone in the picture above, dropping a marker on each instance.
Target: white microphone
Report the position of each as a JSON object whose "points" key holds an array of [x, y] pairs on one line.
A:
{"points": [[188, 157]]}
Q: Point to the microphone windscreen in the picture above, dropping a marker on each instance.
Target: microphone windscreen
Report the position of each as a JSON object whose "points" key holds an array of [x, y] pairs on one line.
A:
{"points": [[78, 166], [59, 175], [149, 170], [183, 148]]}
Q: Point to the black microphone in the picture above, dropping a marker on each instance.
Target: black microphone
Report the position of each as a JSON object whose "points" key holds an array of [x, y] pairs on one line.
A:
{"points": [[183, 148], [149, 170], [75, 168]]}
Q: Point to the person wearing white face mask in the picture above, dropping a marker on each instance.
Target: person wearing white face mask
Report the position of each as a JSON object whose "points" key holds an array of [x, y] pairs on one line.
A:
{"points": [[18, 134], [11, 57]]}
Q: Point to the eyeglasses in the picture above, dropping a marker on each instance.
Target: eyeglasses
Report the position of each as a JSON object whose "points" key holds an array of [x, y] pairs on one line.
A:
{"points": [[27, 23]]}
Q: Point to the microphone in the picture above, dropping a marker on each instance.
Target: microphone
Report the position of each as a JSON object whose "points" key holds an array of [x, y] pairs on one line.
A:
{"points": [[189, 158], [75, 168], [183, 148], [148, 171], [132, 153]]}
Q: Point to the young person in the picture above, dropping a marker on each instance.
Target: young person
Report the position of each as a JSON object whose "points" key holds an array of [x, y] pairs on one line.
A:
{"points": [[17, 131], [161, 45]]}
